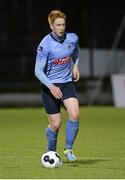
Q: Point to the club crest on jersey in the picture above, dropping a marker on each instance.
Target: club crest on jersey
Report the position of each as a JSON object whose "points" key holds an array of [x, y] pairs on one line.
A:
{"points": [[69, 46]]}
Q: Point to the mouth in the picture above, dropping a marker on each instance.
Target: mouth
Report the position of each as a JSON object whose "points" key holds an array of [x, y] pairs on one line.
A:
{"points": [[61, 33]]}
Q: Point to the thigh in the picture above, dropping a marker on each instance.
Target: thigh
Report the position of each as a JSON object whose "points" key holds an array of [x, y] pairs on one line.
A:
{"points": [[72, 107], [51, 104], [69, 91], [70, 100]]}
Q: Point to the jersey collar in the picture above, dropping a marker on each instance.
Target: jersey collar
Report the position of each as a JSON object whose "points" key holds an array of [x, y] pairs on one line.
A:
{"points": [[59, 39]]}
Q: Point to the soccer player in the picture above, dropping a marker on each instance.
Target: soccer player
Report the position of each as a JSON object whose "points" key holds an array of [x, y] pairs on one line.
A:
{"points": [[57, 68]]}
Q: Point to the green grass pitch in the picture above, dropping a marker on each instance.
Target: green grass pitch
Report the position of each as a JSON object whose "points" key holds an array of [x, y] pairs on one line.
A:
{"points": [[100, 144]]}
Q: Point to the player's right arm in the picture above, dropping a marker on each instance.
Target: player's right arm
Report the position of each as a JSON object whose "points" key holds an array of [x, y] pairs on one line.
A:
{"points": [[41, 60], [39, 72]]}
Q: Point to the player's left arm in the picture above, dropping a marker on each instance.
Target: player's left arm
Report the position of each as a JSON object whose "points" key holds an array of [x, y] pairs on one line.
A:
{"points": [[75, 58]]}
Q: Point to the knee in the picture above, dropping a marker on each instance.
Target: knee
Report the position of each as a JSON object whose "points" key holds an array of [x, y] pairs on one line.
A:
{"points": [[54, 122], [55, 127], [74, 115]]}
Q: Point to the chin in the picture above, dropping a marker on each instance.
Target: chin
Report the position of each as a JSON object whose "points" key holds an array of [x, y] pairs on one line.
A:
{"points": [[61, 34]]}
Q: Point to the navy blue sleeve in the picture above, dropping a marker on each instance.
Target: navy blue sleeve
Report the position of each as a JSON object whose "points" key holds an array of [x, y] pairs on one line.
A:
{"points": [[75, 56]]}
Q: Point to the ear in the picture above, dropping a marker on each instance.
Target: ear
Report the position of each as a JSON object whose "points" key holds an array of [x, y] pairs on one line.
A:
{"points": [[51, 26]]}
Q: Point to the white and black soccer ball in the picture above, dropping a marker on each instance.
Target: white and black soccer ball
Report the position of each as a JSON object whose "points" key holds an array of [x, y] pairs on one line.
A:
{"points": [[51, 159]]}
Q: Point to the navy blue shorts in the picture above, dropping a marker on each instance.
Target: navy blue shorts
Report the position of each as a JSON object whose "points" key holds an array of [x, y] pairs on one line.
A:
{"points": [[51, 104]]}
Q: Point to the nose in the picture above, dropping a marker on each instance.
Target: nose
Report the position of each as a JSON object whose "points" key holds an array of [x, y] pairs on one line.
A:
{"points": [[62, 27]]}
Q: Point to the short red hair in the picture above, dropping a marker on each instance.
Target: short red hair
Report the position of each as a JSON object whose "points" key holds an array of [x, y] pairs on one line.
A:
{"points": [[54, 14]]}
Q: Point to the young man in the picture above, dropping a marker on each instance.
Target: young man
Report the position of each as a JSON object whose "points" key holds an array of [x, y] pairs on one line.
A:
{"points": [[55, 55]]}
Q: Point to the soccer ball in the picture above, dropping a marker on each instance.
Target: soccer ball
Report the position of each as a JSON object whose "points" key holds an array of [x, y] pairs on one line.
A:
{"points": [[51, 159]]}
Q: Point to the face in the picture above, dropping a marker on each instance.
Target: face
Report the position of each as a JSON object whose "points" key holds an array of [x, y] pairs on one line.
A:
{"points": [[58, 27]]}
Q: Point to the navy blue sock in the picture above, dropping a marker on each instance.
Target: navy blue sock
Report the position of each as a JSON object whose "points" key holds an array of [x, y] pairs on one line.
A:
{"points": [[71, 133], [51, 139]]}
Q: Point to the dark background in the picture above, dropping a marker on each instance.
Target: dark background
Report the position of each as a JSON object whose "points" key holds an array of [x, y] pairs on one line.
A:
{"points": [[23, 23]]}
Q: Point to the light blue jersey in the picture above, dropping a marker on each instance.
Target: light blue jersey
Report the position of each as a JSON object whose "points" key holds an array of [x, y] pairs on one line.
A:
{"points": [[54, 58]]}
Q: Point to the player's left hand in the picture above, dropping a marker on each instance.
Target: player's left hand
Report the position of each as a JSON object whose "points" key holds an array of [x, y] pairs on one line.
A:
{"points": [[76, 73]]}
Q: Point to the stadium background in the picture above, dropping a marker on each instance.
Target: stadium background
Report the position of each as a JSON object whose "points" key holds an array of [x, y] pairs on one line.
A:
{"points": [[100, 27]]}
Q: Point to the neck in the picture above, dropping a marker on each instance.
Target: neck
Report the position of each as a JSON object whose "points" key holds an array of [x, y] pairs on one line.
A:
{"points": [[58, 38]]}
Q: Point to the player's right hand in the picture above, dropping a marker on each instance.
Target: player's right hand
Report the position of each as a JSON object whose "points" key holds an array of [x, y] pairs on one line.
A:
{"points": [[56, 92]]}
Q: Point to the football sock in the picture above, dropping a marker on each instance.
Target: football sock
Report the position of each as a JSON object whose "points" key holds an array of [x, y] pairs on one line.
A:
{"points": [[71, 133], [51, 139]]}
